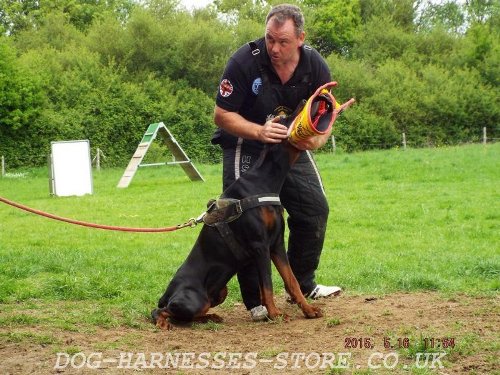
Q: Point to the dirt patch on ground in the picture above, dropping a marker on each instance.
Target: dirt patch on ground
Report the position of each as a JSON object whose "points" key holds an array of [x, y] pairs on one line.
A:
{"points": [[358, 334]]}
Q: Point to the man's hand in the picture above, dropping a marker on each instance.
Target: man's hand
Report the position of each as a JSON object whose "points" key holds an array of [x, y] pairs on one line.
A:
{"points": [[232, 122], [273, 132]]}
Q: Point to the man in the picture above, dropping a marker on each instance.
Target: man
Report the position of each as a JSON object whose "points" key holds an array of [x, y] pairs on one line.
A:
{"points": [[262, 80]]}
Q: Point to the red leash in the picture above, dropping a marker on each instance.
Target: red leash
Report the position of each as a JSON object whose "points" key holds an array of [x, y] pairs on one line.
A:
{"points": [[189, 223]]}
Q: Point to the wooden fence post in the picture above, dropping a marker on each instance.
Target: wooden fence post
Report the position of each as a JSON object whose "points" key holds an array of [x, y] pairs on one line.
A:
{"points": [[98, 159], [334, 145], [404, 141], [485, 137], [3, 166]]}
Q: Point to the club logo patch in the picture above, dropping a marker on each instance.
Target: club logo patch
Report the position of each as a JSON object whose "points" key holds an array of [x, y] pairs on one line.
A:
{"points": [[256, 85], [225, 88]]}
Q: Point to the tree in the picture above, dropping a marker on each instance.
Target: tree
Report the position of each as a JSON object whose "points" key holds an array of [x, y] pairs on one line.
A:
{"points": [[381, 39], [480, 50], [482, 11], [331, 25], [20, 95], [401, 12], [16, 16], [53, 30], [236, 10], [449, 15]]}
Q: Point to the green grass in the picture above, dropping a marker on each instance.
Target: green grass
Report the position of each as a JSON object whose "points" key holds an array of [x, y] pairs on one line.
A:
{"points": [[411, 220]]}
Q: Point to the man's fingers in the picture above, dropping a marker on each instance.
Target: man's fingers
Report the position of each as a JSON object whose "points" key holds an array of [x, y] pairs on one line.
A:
{"points": [[345, 105], [273, 132], [279, 130]]}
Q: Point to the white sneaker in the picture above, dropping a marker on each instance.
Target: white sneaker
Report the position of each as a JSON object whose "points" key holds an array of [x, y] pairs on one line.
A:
{"points": [[258, 313], [322, 291]]}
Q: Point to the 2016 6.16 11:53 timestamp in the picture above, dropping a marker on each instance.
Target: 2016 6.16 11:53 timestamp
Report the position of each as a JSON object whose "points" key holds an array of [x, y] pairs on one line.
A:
{"points": [[427, 342]]}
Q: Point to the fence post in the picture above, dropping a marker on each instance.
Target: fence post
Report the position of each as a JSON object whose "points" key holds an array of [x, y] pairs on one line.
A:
{"points": [[334, 145], [404, 141], [98, 159], [485, 138], [3, 166]]}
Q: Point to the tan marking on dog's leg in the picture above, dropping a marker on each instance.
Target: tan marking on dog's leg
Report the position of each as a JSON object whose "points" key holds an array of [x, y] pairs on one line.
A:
{"points": [[293, 288]]}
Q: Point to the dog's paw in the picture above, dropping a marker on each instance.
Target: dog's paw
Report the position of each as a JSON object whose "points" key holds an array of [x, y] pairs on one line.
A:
{"points": [[312, 312]]}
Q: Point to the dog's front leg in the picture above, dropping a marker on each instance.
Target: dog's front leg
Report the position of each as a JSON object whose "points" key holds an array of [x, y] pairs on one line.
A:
{"points": [[263, 263], [292, 286]]}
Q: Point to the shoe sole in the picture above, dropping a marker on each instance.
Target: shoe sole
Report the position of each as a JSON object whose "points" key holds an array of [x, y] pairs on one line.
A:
{"points": [[334, 294]]}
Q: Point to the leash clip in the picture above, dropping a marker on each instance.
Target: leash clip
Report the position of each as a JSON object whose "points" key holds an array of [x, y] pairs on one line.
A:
{"points": [[200, 218], [190, 223]]}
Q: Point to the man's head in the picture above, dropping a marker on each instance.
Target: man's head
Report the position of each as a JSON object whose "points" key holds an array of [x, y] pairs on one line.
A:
{"points": [[284, 33], [284, 12]]}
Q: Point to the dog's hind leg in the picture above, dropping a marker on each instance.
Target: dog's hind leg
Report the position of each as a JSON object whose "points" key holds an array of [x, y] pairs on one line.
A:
{"points": [[215, 300]]}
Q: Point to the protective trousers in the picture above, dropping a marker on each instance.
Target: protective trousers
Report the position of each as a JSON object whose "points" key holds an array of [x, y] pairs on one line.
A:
{"points": [[304, 199]]}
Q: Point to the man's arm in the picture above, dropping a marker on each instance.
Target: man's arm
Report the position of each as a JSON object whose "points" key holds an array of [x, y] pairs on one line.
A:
{"points": [[235, 124]]}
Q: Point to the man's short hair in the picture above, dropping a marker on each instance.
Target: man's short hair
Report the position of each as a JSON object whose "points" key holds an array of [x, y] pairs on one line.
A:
{"points": [[284, 12]]}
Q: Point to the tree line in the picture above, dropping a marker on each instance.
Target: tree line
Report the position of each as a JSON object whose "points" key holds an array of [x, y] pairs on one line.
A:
{"points": [[105, 70]]}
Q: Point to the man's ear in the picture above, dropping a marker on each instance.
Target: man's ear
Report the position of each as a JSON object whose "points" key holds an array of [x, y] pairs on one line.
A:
{"points": [[302, 38]]}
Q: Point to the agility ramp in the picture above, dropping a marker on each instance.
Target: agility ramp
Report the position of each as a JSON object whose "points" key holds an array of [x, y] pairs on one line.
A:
{"points": [[178, 153]]}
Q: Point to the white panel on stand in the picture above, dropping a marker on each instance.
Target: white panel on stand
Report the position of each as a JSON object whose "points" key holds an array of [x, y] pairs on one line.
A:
{"points": [[71, 168]]}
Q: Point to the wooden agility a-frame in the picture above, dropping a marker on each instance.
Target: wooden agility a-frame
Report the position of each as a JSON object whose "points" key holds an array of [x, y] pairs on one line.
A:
{"points": [[180, 156]]}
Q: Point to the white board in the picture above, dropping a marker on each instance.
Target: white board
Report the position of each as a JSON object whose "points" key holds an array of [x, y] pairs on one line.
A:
{"points": [[71, 168]]}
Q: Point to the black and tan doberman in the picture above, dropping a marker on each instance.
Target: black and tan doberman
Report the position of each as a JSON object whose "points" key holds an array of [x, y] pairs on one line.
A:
{"points": [[249, 228]]}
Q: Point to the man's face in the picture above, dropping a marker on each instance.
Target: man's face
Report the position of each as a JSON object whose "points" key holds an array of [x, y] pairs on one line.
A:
{"points": [[282, 42]]}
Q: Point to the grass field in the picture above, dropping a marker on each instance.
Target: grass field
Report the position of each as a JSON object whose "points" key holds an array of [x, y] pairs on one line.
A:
{"points": [[402, 224], [411, 220]]}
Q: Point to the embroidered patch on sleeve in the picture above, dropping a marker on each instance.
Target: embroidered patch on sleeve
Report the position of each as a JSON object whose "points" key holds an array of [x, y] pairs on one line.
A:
{"points": [[256, 85], [225, 88]]}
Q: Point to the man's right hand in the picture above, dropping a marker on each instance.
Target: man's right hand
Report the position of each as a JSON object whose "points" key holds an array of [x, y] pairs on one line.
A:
{"points": [[272, 131], [232, 122]]}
